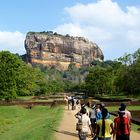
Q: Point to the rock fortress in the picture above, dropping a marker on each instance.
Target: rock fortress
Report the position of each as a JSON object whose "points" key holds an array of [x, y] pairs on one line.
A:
{"points": [[52, 49]]}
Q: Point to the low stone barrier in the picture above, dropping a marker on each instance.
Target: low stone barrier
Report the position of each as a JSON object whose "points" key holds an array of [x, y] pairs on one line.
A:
{"points": [[60, 102]]}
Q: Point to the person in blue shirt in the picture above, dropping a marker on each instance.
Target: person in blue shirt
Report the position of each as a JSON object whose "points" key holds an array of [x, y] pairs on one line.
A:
{"points": [[99, 114]]}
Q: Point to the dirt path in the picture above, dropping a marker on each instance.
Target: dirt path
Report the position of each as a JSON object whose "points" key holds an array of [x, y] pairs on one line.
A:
{"points": [[66, 130]]}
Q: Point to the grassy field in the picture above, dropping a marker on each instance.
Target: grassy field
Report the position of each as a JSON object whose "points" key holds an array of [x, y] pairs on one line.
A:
{"points": [[121, 96], [38, 123], [115, 108]]}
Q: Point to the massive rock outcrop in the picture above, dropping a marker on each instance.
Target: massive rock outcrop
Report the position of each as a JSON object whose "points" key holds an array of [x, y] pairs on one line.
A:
{"points": [[52, 49]]}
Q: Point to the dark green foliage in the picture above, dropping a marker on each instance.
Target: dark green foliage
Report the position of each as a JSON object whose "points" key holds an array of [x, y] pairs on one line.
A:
{"points": [[54, 87], [128, 76], [97, 81], [31, 81], [108, 77], [18, 78], [96, 62], [112, 77], [54, 80], [9, 65]]}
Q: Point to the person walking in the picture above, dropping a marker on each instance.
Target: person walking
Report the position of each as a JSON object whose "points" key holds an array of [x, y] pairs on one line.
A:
{"points": [[98, 112], [86, 124], [68, 99], [104, 128], [92, 115], [83, 106], [121, 126], [127, 113], [73, 103], [78, 103]]}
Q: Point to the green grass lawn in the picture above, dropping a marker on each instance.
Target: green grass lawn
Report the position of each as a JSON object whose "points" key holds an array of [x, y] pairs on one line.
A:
{"points": [[38, 123], [115, 108]]}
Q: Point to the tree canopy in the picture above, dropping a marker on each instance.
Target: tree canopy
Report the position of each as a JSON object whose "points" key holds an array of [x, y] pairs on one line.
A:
{"points": [[102, 77]]}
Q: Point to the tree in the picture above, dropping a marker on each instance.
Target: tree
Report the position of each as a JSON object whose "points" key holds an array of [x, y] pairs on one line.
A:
{"points": [[127, 76], [97, 81], [19, 79], [73, 74], [9, 66], [136, 56], [126, 59], [30, 81]]}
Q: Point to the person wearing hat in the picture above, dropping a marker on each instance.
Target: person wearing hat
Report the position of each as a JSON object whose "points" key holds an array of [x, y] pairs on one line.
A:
{"points": [[92, 115], [127, 113], [84, 106], [121, 126]]}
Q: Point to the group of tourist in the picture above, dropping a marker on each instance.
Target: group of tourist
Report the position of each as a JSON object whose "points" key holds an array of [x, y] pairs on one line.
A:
{"points": [[97, 120], [72, 102]]}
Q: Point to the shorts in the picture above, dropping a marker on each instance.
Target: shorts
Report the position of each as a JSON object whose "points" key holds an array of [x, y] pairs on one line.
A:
{"points": [[82, 135], [109, 138]]}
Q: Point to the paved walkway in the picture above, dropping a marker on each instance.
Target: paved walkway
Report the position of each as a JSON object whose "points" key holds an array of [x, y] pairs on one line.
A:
{"points": [[66, 130]]}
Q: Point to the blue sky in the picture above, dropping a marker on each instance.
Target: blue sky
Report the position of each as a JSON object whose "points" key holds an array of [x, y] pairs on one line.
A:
{"points": [[113, 24]]}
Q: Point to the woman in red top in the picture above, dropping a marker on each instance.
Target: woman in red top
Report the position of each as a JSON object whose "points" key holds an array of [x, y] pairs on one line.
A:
{"points": [[121, 126]]}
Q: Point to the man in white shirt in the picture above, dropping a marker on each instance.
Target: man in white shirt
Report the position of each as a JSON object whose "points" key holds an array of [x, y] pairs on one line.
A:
{"points": [[92, 115], [68, 99]]}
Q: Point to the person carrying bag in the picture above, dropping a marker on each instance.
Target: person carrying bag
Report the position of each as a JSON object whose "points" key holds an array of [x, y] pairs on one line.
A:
{"points": [[79, 125], [85, 124]]}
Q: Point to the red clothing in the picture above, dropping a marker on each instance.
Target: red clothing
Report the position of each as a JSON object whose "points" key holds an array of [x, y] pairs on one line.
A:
{"points": [[118, 126]]}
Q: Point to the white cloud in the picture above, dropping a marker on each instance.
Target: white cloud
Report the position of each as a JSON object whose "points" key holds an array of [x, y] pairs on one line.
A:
{"points": [[70, 28], [12, 41], [114, 29]]}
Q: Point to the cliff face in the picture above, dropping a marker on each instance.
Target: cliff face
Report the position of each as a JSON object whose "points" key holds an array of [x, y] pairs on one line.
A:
{"points": [[50, 49]]}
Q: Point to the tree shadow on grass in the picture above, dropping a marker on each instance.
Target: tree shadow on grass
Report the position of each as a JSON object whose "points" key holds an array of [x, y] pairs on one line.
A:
{"points": [[67, 133]]}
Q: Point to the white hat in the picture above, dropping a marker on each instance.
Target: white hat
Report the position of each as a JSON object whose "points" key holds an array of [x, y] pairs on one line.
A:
{"points": [[102, 104], [83, 105]]}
